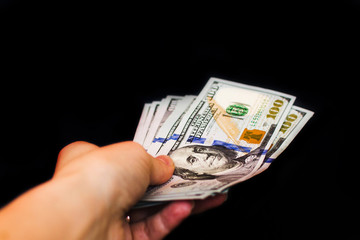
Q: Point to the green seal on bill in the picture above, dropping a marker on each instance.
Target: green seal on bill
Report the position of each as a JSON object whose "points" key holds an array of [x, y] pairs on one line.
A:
{"points": [[237, 110]]}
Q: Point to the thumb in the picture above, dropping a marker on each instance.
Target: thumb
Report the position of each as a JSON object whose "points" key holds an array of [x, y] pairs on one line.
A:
{"points": [[162, 169], [135, 169], [135, 163]]}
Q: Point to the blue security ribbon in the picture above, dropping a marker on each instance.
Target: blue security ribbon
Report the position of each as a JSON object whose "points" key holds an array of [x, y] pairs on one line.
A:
{"points": [[231, 146], [164, 140]]}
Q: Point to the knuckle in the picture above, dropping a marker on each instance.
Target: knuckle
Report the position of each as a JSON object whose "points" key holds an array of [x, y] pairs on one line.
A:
{"points": [[75, 144], [132, 146], [135, 148], [137, 151]]}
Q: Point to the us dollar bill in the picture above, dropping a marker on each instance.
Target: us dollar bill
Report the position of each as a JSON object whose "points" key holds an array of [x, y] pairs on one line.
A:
{"points": [[167, 130], [140, 130], [221, 139], [147, 116], [292, 125], [164, 110]]}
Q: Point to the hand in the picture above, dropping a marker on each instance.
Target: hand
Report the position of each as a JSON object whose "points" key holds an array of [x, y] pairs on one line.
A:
{"points": [[142, 169], [156, 222], [91, 194]]}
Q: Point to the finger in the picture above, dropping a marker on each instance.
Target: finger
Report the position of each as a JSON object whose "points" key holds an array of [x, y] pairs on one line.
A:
{"points": [[200, 206], [72, 151], [163, 222], [132, 156], [137, 215], [162, 169], [135, 169], [209, 203]]}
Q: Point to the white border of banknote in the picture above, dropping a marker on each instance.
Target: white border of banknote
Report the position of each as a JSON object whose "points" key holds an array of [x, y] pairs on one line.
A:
{"points": [[249, 122], [283, 140]]}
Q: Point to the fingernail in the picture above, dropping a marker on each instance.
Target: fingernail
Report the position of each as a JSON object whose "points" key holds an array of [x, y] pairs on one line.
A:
{"points": [[165, 159]]}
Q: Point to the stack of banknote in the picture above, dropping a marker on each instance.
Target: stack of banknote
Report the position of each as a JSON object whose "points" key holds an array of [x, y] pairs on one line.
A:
{"points": [[227, 134]]}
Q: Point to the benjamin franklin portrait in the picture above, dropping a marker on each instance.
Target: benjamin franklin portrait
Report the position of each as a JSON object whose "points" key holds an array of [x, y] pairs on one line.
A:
{"points": [[198, 162]]}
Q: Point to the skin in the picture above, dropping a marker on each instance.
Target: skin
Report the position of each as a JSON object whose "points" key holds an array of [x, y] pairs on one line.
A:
{"points": [[91, 193]]}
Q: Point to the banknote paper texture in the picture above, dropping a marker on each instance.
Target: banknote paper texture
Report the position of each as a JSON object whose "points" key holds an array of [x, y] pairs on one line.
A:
{"points": [[166, 106], [291, 126], [167, 130], [149, 112], [225, 135], [140, 131]]}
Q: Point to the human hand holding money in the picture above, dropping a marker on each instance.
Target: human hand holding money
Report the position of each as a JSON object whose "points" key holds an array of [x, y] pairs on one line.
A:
{"points": [[227, 134]]}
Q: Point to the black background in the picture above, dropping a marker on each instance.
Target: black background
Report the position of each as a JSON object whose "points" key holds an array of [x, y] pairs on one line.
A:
{"points": [[82, 71]]}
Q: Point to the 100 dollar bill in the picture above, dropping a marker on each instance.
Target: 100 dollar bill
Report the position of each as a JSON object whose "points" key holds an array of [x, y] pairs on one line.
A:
{"points": [[292, 125], [221, 139]]}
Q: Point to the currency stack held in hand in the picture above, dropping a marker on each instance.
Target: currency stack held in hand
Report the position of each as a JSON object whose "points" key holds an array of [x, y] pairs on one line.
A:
{"points": [[227, 134]]}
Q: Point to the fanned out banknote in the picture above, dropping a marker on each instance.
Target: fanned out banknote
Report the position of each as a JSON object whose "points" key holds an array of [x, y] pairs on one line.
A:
{"points": [[227, 134]]}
